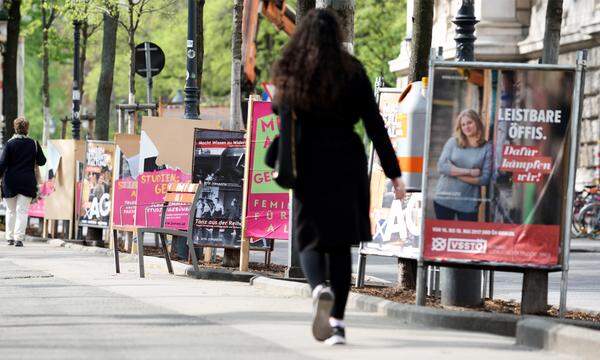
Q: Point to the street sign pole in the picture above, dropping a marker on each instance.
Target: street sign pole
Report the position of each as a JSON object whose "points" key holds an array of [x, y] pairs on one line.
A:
{"points": [[148, 75]]}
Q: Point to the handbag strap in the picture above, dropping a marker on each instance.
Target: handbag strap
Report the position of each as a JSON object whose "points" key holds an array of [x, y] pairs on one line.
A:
{"points": [[36, 152]]}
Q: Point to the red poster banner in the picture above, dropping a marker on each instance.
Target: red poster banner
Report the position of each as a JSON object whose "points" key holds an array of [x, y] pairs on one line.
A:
{"points": [[480, 241]]}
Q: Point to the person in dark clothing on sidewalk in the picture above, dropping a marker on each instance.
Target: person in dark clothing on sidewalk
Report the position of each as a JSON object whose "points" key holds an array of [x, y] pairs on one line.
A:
{"points": [[19, 184], [328, 90]]}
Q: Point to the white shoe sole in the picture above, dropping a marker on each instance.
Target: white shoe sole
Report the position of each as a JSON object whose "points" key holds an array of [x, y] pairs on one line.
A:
{"points": [[336, 340], [321, 312]]}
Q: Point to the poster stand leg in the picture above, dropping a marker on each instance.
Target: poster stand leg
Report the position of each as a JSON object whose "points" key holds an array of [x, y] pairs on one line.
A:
{"points": [[484, 290], [244, 254], [140, 243], [362, 264], [192, 252], [44, 228], [293, 270], [156, 244], [430, 280], [421, 283], [163, 243], [208, 254], [491, 296], [116, 251]]}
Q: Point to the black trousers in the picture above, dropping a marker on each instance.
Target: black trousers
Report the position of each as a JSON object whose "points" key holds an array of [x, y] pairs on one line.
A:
{"points": [[445, 213], [315, 266]]}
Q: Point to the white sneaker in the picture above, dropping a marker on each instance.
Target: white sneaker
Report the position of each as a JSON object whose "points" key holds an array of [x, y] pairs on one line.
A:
{"points": [[338, 336], [322, 304]]}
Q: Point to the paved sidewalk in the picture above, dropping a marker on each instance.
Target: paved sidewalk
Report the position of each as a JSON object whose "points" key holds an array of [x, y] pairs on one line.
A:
{"points": [[86, 311]]}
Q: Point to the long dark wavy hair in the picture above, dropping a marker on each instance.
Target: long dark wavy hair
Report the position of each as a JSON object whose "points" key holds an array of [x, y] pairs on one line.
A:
{"points": [[313, 67]]}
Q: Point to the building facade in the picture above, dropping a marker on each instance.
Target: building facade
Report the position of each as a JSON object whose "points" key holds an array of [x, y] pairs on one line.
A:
{"points": [[513, 31]]}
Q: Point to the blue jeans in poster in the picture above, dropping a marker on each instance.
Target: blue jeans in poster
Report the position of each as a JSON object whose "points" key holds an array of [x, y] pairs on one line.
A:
{"points": [[445, 213]]}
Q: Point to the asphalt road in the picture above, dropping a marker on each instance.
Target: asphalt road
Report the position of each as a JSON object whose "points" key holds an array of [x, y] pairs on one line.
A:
{"points": [[60, 303]]}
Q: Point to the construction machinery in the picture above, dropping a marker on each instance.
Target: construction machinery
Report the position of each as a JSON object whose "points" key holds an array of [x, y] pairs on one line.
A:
{"points": [[275, 11]]}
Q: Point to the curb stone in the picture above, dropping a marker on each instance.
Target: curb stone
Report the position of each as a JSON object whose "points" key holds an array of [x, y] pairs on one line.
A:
{"points": [[568, 339], [498, 324], [219, 274]]}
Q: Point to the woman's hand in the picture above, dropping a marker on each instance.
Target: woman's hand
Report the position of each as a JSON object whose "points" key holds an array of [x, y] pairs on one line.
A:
{"points": [[399, 188], [474, 172]]}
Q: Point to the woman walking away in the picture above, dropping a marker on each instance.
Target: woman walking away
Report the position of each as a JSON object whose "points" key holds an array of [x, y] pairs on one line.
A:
{"points": [[19, 185], [326, 90]]}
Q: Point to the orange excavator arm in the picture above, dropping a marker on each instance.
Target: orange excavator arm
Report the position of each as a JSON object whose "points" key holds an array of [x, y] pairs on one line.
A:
{"points": [[277, 12]]}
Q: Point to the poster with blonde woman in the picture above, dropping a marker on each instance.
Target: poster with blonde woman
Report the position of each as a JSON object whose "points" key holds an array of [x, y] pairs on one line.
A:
{"points": [[465, 167], [497, 164]]}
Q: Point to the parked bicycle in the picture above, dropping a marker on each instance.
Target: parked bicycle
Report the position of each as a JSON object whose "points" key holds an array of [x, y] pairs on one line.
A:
{"points": [[586, 212]]}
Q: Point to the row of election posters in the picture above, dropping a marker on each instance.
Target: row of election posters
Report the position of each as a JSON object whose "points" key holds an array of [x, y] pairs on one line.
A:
{"points": [[217, 159]]}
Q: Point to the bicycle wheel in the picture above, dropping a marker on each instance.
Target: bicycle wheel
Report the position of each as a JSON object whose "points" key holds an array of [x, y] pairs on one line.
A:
{"points": [[589, 220], [576, 228]]}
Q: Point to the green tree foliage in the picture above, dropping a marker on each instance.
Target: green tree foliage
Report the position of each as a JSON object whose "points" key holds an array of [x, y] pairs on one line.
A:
{"points": [[379, 30]]}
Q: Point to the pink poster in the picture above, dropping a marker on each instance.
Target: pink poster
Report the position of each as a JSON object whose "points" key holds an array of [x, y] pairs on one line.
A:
{"points": [[36, 209], [152, 187], [267, 206], [124, 200]]}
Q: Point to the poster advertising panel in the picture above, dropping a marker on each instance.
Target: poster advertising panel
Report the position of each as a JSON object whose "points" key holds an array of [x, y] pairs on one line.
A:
{"points": [[267, 203], [152, 187], [395, 224], [165, 156], [37, 208], [219, 158], [96, 185], [125, 186], [497, 165]]}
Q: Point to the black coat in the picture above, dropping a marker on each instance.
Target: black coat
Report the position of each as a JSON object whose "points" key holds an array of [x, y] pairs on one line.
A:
{"points": [[17, 161], [331, 207]]}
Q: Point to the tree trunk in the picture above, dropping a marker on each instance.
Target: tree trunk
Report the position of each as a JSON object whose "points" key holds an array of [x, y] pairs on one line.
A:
{"points": [[10, 99], [105, 84], [235, 106], [345, 11], [302, 8], [552, 32], [231, 256], [45, 79], [418, 68], [534, 298], [421, 39], [200, 46]]}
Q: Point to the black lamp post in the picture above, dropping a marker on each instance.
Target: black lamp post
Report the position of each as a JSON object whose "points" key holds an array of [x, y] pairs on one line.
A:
{"points": [[465, 28], [462, 287], [191, 79], [75, 121]]}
